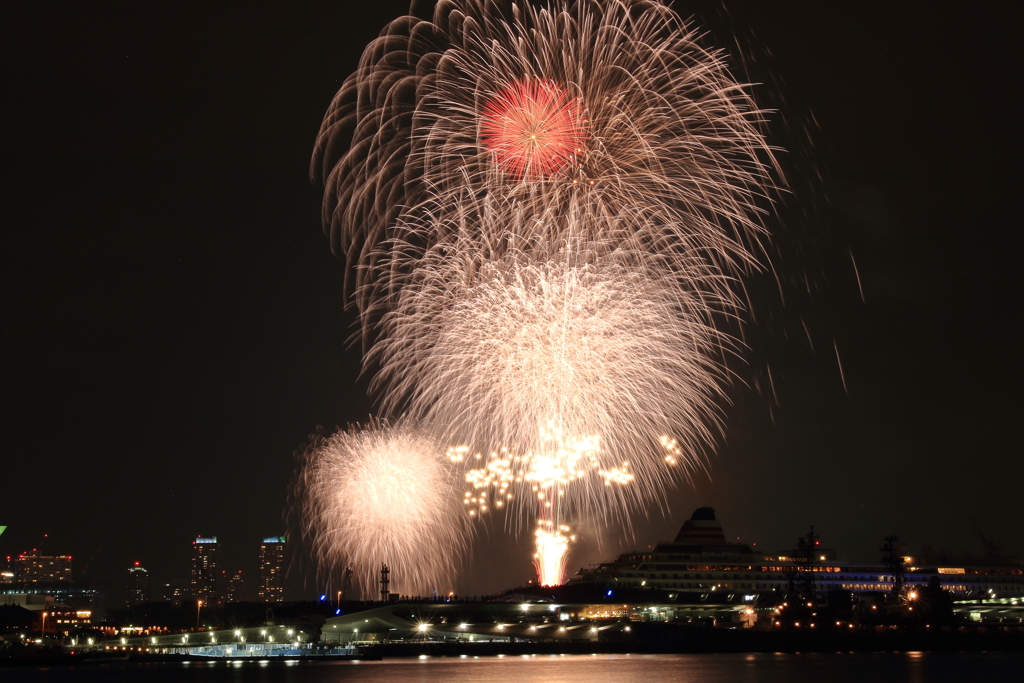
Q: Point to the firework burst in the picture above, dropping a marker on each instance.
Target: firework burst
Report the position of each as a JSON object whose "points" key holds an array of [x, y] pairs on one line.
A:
{"points": [[546, 210], [533, 128], [567, 343], [382, 494], [608, 110]]}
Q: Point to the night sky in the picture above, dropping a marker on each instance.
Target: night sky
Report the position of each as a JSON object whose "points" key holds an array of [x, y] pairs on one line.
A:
{"points": [[174, 323]]}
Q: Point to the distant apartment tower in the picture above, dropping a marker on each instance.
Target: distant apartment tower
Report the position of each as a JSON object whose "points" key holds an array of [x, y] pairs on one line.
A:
{"points": [[271, 588], [35, 568], [138, 585], [234, 586], [174, 592], [204, 570]]}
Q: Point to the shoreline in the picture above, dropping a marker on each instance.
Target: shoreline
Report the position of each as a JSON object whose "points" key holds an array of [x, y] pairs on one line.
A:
{"points": [[682, 640]]}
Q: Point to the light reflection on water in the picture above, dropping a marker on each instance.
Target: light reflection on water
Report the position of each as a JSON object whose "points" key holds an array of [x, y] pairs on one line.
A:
{"points": [[911, 667]]}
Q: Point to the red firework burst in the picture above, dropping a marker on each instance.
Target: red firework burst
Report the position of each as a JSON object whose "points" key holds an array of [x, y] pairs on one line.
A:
{"points": [[534, 128]]}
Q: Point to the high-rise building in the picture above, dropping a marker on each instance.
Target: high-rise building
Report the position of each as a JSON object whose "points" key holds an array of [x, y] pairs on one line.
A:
{"points": [[35, 568], [138, 585], [174, 591], [204, 570], [234, 587], [271, 587]]}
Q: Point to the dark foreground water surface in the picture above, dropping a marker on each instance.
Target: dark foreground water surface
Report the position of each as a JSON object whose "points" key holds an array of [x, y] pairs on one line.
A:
{"points": [[914, 667]]}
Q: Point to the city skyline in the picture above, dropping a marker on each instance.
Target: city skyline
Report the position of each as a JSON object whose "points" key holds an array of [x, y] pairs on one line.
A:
{"points": [[175, 324], [206, 579], [36, 574]]}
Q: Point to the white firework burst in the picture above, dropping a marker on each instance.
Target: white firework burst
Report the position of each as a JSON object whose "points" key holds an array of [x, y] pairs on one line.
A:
{"points": [[382, 494], [500, 353]]}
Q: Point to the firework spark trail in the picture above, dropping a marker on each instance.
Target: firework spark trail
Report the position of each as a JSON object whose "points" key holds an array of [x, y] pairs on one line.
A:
{"points": [[382, 494], [635, 119]]}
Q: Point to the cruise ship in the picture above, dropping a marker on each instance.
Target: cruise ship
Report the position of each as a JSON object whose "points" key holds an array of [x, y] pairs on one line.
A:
{"points": [[701, 560]]}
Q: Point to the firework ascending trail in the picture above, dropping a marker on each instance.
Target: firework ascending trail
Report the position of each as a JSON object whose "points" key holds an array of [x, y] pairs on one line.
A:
{"points": [[382, 494], [545, 210]]}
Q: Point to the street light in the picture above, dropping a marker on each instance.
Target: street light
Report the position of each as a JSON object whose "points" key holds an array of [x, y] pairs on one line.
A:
{"points": [[199, 606], [42, 629]]}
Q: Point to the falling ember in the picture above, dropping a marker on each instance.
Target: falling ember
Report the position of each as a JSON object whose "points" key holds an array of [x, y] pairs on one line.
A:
{"points": [[563, 463], [534, 128], [673, 451], [546, 474]]}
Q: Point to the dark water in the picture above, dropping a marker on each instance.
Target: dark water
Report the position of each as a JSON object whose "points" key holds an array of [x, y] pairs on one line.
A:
{"points": [[728, 668]]}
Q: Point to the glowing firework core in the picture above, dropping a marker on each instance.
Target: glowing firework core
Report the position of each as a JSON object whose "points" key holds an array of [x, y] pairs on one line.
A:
{"points": [[552, 549], [534, 128]]}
